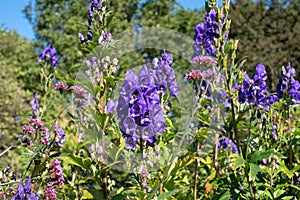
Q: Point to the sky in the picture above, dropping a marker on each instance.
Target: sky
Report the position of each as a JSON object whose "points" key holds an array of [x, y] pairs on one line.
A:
{"points": [[12, 18]]}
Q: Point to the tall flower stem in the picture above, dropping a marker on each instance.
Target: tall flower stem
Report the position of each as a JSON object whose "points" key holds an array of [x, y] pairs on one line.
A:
{"points": [[196, 170]]}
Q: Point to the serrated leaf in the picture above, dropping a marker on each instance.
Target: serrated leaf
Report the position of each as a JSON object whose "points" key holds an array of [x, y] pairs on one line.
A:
{"points": [[260, 155], [254, 169], [84, 163], [238, 161]]}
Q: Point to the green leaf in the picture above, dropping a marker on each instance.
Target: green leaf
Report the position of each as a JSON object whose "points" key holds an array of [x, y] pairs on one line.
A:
{"points": [[287, 198], [87, 195], [238, 161], [259, 155], [225, 196], [227, 47], [254, 169], [278, 193], [167, 194], [85, 163]]}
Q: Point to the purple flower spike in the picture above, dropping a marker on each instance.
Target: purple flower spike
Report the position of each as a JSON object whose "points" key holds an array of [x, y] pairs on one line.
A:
{"points": [[60, 136], [56, 173], [224, 142], [34, 104], [50, 192], [50, 53]]}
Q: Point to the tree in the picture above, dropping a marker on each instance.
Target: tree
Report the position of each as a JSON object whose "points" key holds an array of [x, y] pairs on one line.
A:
{"points": [[268, 34], [18, 73]]}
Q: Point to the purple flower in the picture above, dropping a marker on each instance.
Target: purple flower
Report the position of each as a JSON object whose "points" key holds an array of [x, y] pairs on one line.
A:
{"points": [[81, 38], [56, 173], [288, 86], [164, 75], [46, 136], [80, 96], [28, 129], [50, 53], [110, 106], [34, 104], [139, 110], [222, 98], [254, 92], [205, 34], [274, 131], [60, 136], [90, 35], [225, 142], [50, 192], [37, 124], [25, 191], [61, 86]]}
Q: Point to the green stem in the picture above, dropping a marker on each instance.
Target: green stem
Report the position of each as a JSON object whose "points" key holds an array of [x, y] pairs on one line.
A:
{"points": [[12, 146]]}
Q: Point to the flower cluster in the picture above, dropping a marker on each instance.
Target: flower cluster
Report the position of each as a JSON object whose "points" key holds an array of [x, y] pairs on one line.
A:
{"points": [[205, 34], [80, 96], [139, 110], [25, 191], [34, 104], [50, 53], [56, 173], [254, 92], [95, 6], [204, 60], [104, 38], [198, 75], [225, 142], [38, 126], [60, 86], [60, 136], [163, 73], [287, 83], [50, 192]]}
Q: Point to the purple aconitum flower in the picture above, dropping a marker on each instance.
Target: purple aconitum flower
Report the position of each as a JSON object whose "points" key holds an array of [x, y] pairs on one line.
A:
{"points": [[34, 104], [163, 74], [50, 192], [56, 173], [50, 53], [60, 136], [254, 92], [81, 38], [222, 97], [89, 35], [80, 96], [139, 110], [274, 131], [205, 34], [225, 142], [25, 192], [288, 85], [110, 106]]}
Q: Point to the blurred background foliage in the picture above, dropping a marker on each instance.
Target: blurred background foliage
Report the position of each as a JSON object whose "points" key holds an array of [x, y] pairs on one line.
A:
{"points": [[267, 29]]}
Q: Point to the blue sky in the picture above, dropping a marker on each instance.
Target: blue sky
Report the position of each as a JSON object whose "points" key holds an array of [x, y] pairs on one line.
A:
{"points": [[11, 16]]}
